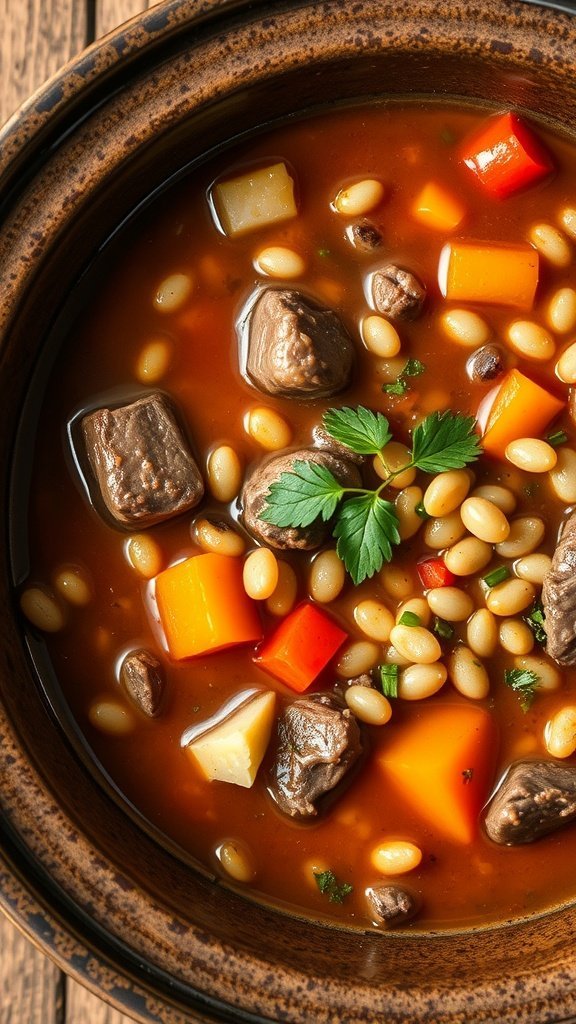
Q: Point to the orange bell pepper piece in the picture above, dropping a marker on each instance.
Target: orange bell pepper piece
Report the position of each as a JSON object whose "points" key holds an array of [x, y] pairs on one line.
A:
{"points": [[437, 208], [521, 408], [492, 272], [203, 606]]}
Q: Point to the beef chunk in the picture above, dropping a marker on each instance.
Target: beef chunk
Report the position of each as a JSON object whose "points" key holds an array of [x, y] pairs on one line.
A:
{"points": [[486, 364], [364, 236], [297, 348], [559, 598], [141, 676], [392, 904], [323, 440], [536, 797], [397, 293], [318, 742], [141, 462], [256, 487]]}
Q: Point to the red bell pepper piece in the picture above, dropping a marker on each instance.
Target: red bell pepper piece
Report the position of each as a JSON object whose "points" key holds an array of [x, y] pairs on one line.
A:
{"points": [[301, 647], [506, 156], [434, 573]]}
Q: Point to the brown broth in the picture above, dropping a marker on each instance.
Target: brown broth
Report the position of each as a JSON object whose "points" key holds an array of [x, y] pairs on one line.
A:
{"points": [[405, 145]]}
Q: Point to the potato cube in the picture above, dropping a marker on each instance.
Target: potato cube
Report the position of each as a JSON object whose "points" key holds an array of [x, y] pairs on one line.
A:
{"points": [[254, 200], [231, 746]]}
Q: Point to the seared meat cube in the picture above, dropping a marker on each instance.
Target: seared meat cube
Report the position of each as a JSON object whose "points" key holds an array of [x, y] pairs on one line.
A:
{"points": [[486, 363], [559, 598], [535, 798], [392, 904], [323, 440], [253, 498], [297, 348], [141, 677], [141, 461], [364, 236], [397, 293], [318, 742]]}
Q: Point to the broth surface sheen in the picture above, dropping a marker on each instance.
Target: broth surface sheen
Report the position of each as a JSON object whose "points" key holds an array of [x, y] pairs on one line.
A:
{"points": [[166, 318]]}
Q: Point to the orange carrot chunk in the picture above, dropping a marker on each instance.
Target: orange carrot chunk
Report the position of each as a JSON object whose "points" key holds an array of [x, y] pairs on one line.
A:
{"points": [[437, 208], [442, 762], [203, 606], [491, 272], [521, 408], [506, 156], [301, 647]]}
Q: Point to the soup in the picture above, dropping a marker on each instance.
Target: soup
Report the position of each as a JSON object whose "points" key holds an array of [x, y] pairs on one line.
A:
{"points": [[299, 477]]}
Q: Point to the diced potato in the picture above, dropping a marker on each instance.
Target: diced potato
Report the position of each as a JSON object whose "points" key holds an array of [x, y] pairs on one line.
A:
{"points": [[254, 200], [231, 748]]}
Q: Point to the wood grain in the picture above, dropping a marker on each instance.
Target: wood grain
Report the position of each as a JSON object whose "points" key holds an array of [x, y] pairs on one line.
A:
{"points": [[37, 37], [32, 989], [111, 13]]}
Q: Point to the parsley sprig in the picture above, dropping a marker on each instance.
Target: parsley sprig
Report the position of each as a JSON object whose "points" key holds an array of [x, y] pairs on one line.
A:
{"points": [[366, 523], [413, 368]]}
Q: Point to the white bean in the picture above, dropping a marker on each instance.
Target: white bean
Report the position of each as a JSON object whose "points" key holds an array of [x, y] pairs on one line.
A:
{"points": [[374, 619], [467, 674], [531, 341], [563, 476], [417, 682], [551, 244], [526, 534], [510, 597], [562, 310], [484, 520], [360, 197], [450, 603], [533, 567], [224, 471], [327, 577], [380, 336], [446, 492], [357, 658], [416, 643], [482, 633], [560, 733], [531, 454], [396, 857], [172, 292], [260, 574], [279, 261], [42, 610], [465, 327], [368, 705]]}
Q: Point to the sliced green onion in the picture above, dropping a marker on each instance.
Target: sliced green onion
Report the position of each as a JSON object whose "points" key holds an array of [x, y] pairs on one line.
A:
{"points": [[389, 680], [497, 576], [557, 438], [443, 629]]}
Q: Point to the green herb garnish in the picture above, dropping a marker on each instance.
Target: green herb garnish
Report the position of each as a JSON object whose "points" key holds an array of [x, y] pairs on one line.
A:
{"points": [[389, 680], [443, 629], [421, 511], [535, 619], [557, 438], [413, 368], [409, 619], [330, 886], [496, 576], [366, 524], [524, 683]]}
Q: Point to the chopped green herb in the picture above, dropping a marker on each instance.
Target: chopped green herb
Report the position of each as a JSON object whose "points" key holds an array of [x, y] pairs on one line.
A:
{"points": [[535, 619], [557, 438], [389, 680], [524, 683], [365, 523], [421, 511], [443, 629], [323, 252], [413, 368], [330, 886], [409, 619], [497, 576]]}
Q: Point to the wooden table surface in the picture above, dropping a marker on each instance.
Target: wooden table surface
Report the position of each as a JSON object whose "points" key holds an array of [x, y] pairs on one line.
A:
{"points": [[36, 38]]}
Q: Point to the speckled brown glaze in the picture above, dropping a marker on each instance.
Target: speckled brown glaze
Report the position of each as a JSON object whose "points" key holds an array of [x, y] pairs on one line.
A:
{"points": [[129, 918]]}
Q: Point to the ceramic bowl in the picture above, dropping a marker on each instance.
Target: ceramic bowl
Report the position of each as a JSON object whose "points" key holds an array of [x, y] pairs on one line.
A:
{"points": [[77, 873]]}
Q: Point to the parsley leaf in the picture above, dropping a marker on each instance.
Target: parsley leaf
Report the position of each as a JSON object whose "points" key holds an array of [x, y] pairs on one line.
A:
{"points": [[524, 683], [362, 430], [304, 494], [366, 528], [330, 886], [413, 368], [445, 440]]}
